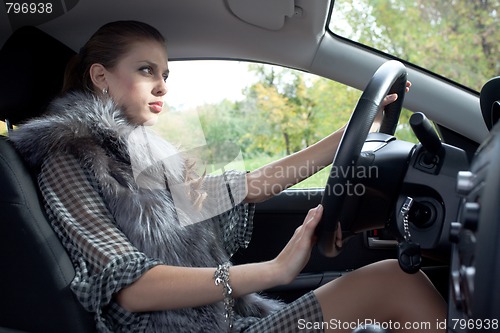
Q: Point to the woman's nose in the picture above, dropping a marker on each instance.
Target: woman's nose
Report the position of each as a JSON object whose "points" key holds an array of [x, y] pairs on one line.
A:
{"points": [[161, 88]]}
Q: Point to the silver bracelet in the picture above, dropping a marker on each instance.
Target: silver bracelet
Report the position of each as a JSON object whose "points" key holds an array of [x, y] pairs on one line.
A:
{"points": [[221, 276]]}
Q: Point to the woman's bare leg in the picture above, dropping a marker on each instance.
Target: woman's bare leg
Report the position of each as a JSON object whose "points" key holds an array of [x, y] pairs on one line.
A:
{"points": [[382, 292]]}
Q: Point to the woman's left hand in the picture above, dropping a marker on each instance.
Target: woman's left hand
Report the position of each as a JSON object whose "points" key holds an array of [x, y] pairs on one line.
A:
{"points": [[387, 100], [393, 97], [297, 251]]}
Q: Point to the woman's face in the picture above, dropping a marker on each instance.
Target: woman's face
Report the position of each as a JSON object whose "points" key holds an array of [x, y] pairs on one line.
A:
{"points": [[137, 82]]}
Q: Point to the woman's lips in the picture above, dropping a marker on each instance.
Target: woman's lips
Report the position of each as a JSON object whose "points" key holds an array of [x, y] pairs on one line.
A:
{"points": [[156, 107]]}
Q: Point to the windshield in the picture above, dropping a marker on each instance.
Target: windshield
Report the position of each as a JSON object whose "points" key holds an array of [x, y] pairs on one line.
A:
{"points": [[456, 39]]}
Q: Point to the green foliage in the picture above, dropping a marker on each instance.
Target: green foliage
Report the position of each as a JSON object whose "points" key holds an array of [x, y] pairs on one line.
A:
{"points": [[294, 109], [457, 39], [285, 117]]}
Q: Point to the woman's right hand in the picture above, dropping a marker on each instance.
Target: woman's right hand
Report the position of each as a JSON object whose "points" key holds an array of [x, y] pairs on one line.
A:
{"points": [[297, 251]]}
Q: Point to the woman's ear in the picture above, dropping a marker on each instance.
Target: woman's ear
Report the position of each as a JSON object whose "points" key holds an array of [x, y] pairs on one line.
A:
{"points": [[98, 77]]}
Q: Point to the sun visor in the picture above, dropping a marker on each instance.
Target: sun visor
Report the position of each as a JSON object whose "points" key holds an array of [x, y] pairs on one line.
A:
{"points": [[268, 14]]}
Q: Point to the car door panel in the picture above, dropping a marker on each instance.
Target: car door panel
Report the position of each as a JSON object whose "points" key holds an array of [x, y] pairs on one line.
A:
{"points": [[274, 224]]}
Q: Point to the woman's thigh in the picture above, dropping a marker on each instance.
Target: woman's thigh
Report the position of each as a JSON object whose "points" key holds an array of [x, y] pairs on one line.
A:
{"points": [[381, 292]]}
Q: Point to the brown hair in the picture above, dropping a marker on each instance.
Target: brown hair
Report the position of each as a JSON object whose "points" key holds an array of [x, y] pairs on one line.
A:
{"points": [[108, 44]]}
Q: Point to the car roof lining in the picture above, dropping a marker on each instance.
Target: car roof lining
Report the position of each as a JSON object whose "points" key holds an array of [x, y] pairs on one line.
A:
{"points": [[298, 36]]}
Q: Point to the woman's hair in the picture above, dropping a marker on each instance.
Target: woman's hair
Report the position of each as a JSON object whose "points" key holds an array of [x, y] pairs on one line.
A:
{"points": [[106, 47]]}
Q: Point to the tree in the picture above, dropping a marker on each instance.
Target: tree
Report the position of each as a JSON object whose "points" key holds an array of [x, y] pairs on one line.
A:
{"points": [[294, 110], [461, 35], [285, 111]]}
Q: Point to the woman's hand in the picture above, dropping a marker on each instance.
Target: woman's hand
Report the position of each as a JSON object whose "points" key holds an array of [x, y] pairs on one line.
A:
{"points": [[297, 251], [387, 100], [393, 97]]}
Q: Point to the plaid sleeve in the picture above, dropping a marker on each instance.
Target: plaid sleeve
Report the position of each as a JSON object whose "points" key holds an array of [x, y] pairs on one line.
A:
{"points": [[105, 261], [227, 193]]}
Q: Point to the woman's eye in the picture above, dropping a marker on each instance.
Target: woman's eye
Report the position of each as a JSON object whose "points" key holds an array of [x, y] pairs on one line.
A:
{"points": [[165, 77], [147, 70]]}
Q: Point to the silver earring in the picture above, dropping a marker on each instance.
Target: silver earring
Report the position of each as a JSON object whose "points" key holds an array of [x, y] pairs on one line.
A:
{"points": [[105, 91]]}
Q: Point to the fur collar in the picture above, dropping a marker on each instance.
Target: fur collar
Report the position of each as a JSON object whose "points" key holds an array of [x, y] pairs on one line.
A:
{"points": [[134, 170]]}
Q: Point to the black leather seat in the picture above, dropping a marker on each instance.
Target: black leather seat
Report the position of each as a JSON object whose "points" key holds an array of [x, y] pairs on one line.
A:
{"points": [[36, 271]]}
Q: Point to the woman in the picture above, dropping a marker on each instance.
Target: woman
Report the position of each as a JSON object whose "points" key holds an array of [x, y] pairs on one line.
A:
{"points": [[151, 241]]}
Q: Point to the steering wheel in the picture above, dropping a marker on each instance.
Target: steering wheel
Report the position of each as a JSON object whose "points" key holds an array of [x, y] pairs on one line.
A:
{"points": [[389, 78]]}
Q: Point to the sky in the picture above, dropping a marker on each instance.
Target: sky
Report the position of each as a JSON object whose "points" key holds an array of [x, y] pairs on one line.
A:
{"points": [[193, 83]]}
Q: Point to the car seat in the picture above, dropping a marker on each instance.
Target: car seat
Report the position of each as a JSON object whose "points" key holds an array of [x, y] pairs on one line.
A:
{"points": [[36, 270]]}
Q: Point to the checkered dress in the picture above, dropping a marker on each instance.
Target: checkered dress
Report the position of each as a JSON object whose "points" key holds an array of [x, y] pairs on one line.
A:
{"points": [[292, 318], [105, 261]]}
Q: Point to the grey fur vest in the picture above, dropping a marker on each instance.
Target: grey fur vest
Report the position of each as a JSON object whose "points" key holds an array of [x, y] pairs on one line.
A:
{"points": [[134, 169]]}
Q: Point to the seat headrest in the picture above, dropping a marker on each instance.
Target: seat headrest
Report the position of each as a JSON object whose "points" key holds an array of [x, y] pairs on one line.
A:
{"points": [[490, 102], [32, 66]]}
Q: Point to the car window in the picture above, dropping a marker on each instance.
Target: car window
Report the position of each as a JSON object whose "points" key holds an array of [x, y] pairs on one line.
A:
{"points": [[244, 115], [455, 39]]}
